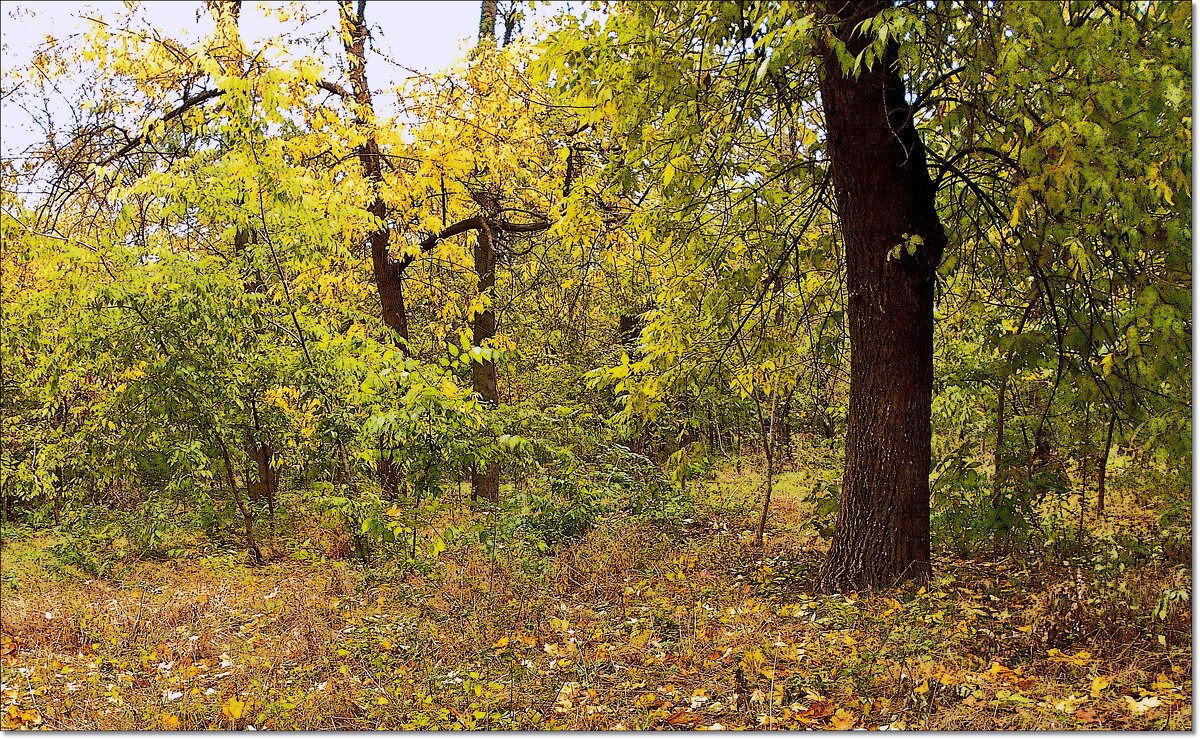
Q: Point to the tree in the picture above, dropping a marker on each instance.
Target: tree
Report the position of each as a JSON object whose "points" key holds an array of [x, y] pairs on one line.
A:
{"points": [[894, 241], [386, 267], [714, 211], [938, 126], [485, 482], [488, 225]]}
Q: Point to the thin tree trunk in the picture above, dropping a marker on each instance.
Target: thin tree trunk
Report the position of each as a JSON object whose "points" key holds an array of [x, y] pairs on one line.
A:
{"points": [[387, 272], [483, 326], [768, 436], [389, 474], [247, 514], [485, 483], [884, 196], [783, 427], [1102, 467], [1039, 462], [265, 484], [230, 52], [1000, 473], [1086, 453], [998, 454]]}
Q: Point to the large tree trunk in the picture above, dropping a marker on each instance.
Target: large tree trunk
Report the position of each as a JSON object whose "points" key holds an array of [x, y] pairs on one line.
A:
{"points": [[487, 21], [884, 196]]}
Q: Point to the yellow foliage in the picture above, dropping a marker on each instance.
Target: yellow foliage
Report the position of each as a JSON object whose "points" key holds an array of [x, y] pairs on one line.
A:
{"points": [[233, 708]]}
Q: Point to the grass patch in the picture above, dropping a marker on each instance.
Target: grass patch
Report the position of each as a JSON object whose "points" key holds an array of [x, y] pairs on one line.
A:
{"points": [[629, 625]]}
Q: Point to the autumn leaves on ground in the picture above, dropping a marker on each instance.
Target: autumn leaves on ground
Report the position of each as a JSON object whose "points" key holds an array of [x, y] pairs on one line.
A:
{"points": [[637, 624], [672, 365]]}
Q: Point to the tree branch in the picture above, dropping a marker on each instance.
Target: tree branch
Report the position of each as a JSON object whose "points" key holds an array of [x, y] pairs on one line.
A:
{"points": [[474, 223], [335, 88], [185, 106], [520, 228]]}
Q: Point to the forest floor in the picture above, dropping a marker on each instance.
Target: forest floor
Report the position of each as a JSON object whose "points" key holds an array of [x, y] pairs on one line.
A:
{"points": [[628, 627]]}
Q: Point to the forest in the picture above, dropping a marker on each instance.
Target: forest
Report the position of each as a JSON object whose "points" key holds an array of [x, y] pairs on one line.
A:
{"points": [[696, 364]]}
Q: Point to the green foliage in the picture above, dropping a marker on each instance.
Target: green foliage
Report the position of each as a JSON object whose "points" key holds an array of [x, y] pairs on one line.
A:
{"points": [[191, 315], [194, 367]]}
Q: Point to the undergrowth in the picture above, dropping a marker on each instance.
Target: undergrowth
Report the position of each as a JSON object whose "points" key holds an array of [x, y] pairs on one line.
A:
{"points": [[585, 611]]}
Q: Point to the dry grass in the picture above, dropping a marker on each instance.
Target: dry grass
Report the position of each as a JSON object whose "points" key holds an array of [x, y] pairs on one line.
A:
{"points": [[627, 627]]}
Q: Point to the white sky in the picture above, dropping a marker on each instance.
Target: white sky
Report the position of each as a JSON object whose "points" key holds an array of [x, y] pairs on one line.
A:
{"points": [[426, 36]]}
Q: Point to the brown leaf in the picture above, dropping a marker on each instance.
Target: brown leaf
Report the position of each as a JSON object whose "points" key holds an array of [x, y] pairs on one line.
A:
{"points": [[683, 717]]}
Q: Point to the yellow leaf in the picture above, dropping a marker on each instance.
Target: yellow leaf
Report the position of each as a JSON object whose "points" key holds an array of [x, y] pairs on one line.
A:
{"points": [[647, 700], [386, 645], [170, 722], [501, 643], [560, 624], [842, 721], [1079, 659], [16, 718], [752, 661], [233, 709], [1099, 684]]}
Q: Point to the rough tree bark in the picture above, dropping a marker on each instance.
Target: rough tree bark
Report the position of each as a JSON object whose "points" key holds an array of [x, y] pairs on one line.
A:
{"points": [[485, 482], [388, 273], [487, 21], [386, 270], [884, 196]]}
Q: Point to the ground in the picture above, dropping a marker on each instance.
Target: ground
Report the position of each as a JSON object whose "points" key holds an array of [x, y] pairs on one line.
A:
{"points": [[633, 626]]}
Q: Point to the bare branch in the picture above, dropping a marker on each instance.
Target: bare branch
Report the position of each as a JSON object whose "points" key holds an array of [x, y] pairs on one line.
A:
{"points": [[185, 106]]}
